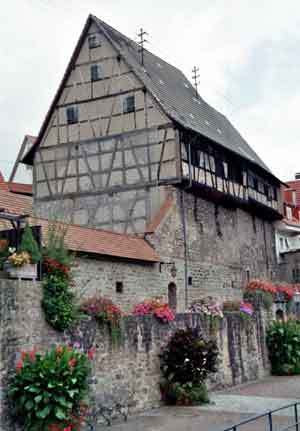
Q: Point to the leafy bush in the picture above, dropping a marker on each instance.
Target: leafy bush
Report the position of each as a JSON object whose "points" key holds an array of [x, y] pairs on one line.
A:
{"points": [[156, 308], [55, 248], [47, 390], [186, 362], [29, 245], [283, 341], [104, 311], [59, 302]]}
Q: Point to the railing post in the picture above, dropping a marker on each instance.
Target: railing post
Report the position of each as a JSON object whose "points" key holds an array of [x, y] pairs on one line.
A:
{"points": [[270, 421], [296, 417]]}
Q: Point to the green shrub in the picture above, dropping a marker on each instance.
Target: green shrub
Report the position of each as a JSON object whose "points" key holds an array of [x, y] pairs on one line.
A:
{"points": [[29, 245], [186, 362], [47, 390], [283, 341], [59, 300]]}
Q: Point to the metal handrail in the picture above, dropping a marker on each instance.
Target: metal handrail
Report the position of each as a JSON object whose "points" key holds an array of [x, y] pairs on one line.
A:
{"points": [[268, 415]]}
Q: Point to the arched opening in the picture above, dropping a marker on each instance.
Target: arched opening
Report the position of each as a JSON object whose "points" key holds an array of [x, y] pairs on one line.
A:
{"points": [[172, 296], [279, 315]]}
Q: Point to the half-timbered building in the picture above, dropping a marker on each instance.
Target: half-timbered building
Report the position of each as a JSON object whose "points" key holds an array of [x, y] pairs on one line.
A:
{"points": [[128, 142]]}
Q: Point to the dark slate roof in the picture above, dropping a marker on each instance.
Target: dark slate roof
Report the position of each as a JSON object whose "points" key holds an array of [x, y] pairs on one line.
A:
{"points": [[178, 97]]}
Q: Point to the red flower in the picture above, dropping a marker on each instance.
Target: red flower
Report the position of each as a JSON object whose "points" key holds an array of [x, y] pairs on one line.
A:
{"points": [[59, 350], [19, 365], [91, 353], [72, 363]]}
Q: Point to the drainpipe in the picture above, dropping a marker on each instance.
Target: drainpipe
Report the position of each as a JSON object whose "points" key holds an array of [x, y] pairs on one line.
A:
{"points": [[185, 245]]}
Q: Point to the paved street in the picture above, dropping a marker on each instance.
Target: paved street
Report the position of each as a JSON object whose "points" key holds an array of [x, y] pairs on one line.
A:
{"points": [[228, 407]]}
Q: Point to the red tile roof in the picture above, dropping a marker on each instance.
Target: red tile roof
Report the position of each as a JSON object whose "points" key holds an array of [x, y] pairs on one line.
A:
{"points": [[20, 188], [88, 240], [84, 239], [15, 204]]}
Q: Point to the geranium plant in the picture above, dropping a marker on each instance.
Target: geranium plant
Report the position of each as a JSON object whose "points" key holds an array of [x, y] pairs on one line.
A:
{"points": [[154, 307], [245, 309], [105, 312], [186, 362], [48, 389], [264, 293]]}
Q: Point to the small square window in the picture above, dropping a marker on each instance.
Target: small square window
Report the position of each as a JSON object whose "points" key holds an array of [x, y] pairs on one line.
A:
{"points": [[128, 104], [94, 41], [72, 114], [119, 287], [96, 72]]}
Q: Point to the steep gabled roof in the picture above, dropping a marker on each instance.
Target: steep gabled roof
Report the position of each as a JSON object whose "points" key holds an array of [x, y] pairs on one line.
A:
{"points": [[172, 91], [178, 98], [26, 146]]}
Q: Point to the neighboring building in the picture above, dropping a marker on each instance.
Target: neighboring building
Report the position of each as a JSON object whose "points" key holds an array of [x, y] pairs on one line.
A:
{"points": [[288, 233], [18, 188], [123, 267], [23, 173], [132, 148]]}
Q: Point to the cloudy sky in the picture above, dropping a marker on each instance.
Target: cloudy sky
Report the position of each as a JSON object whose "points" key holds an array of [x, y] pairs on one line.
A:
{"points": [[248, 53]]}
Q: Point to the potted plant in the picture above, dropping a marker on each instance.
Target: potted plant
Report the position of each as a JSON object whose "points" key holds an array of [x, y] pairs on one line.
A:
{"points": [[23, 263]]}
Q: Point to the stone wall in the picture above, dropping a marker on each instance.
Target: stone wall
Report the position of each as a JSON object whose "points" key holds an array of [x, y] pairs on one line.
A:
{"points": [[133, 365], [225, 247], [99, 275]]}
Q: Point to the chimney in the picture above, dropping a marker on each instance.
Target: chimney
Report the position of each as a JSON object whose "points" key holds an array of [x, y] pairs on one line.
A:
{"points": [[297, 176]]}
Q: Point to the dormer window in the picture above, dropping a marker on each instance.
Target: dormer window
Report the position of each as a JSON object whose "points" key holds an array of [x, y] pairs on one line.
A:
{"points": [[72, 114], [94, 40], [96, 72], [128, 104]]}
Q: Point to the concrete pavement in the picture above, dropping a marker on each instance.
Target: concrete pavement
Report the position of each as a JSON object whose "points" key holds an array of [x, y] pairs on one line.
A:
{"points": [[227, 408]]}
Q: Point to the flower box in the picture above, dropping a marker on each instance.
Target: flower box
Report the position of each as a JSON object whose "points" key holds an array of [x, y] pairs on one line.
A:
{"points": [[27, 271]]}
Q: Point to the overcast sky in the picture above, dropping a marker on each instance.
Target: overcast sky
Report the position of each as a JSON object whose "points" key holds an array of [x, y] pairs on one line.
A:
{"points": [[248, 53]]}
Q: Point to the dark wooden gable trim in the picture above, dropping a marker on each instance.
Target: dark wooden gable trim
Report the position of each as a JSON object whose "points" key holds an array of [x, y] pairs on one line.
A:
{"points": [[28, 159]]}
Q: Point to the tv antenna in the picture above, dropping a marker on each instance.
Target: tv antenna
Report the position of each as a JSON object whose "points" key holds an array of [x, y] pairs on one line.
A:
{"points": [[196, 78], [141, 42]]}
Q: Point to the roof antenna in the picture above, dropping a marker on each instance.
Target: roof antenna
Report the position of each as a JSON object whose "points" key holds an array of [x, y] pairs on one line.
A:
{"points": [[141, 42], [195, 78]]}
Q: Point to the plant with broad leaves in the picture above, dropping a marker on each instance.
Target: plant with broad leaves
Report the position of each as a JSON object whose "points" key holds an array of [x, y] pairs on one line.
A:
{"points": [[48, 389], [283, 341]]}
